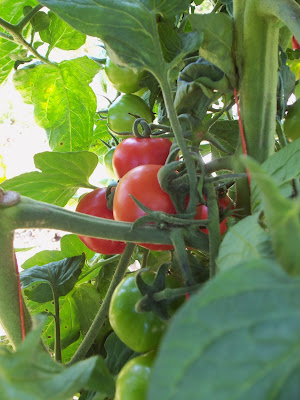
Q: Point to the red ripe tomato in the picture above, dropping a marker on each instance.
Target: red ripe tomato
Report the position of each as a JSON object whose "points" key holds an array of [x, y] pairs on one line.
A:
{"points": [[132, 152], [94, 203], [202, 213], [295, 44], [142, 183]]}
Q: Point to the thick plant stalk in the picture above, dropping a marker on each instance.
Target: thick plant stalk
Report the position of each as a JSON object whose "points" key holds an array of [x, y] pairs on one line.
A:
{"points": [[9, 302], [257, 25], [29, 213], [257, 46]]}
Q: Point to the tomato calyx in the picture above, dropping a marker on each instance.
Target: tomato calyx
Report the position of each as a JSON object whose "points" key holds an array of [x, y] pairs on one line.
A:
{"points": [[164, 295], [164, 220], [110, 193], [147, 302]]}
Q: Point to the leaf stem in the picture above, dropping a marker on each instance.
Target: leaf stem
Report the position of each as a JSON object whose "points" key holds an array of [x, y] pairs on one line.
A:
{"points": [[57, 348], [180, 251], [168, 293], [21, 25], [103, 311]]}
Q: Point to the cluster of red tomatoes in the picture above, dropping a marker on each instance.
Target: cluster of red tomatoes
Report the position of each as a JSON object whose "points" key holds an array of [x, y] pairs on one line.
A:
{"points": [[136, 162]]}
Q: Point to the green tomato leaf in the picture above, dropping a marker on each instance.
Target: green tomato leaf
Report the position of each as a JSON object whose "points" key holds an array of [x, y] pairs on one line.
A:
{"points": [[60, 177], [11, 11], [282, 166], [100, 133], [31, 373], [40, 282], [42, 257], [282, 216], [245, 240], [286, 85], [69, 321], [117, 353], [238, 338], [87, 303], [174, 45], [217, 44], [134, 42], [197, 83], [64, 104], [40, 21], [71, 246], [62, 35], [225, 133]]}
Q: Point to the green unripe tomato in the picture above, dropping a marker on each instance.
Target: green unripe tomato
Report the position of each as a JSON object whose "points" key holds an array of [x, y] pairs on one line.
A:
{"points": [[292, 122], [107, 159], [139, 331], [123, 79], [133, 379], [118, 116]]}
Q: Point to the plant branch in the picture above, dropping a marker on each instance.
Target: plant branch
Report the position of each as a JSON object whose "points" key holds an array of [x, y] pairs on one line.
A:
{"points": [[103, 311], [17, 37], [219, 164], [29, 213]]}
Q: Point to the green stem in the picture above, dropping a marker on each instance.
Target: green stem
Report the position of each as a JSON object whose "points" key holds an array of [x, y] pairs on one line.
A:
{"points": [[225, 177], [168, 293], [280, 134], [218, 115], [103, 311], [21, 25], [57, 349], [219, 164], [181, 254], [29, 213], [190, 166], [18, 38], [98, 265], [213, 227], [145, 258]]}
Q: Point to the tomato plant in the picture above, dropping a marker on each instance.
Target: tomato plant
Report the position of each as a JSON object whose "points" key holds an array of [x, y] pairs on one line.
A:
{"points": [[123, 111], [123, 79], [220, 79], [142, 183], [133, 379], [94, 203], [132, 152], [141, 331]]}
